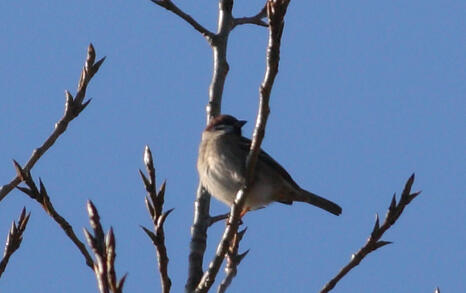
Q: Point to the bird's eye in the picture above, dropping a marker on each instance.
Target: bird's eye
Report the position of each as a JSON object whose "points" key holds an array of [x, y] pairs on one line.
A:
{"points": [[225, 127]]}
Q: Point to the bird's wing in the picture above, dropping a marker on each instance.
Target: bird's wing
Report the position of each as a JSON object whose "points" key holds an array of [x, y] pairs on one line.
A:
{"points": [[245, 145]]}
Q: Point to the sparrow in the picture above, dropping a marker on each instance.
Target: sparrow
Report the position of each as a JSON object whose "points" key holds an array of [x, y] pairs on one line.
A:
{"points": [[222, 169]]}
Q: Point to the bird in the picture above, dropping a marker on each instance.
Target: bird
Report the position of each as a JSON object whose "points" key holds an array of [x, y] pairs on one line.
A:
{"points": [[221, 166]]}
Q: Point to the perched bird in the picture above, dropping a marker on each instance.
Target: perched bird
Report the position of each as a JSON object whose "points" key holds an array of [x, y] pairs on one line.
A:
{"points": [[222, 166]]}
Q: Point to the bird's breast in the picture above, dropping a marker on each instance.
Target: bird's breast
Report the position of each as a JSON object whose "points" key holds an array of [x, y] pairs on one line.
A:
{"points": [[220, 171]]}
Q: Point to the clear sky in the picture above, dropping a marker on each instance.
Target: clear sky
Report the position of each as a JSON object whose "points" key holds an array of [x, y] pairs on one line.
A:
{"points": [[367, 93]]}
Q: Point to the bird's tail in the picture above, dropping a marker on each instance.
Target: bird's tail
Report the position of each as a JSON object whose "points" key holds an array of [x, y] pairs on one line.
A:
{"points": [[318, 201]]}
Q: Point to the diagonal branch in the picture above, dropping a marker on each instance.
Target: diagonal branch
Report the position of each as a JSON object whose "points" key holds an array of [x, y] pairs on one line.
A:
{"points": [[233, 260], [256, 19], [42, 197], [73, 107], [169, 5], [276, 10], [14, 239], [373, 243], [154, 204]]}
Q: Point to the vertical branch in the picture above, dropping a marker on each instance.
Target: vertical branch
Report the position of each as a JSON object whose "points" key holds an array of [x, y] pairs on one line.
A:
{"points": [[218, 42], [276, 10], [154, 204], [202, 204], [219, 49], [198, 243], [103, 247]]}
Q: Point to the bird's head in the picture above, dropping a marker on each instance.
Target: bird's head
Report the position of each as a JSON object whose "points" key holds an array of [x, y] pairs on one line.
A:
{"points": [[225, 124]]}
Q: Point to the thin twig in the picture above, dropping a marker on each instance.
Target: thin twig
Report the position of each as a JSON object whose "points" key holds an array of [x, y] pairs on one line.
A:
{"points": [[373, 243], [256, 19], [215, 219], [154, 204], [276, 10], [42, 197], [169, 5], [14, 238], [103, 247], [73, 107], [233, 259]]}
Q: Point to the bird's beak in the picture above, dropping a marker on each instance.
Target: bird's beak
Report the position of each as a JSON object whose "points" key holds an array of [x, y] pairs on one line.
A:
{"points": [[241, 123]]}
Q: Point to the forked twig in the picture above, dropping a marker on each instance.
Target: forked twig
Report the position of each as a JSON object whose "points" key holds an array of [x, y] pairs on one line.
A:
{"points": [[256, 19], [42, 197], [233, 259], [218, 42], [103, 247], [14, 238], [154, 203], [276, 10], [373, 243], [73, 107]]}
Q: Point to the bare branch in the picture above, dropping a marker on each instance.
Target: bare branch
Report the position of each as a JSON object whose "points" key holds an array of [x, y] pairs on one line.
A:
{"points": [[202, 218], [14, 239], [154, 203], [256, 19], [233, 261], [42, 197], [219, 49], [198, 244], [169, 5], [374, 242], [276, 10], [103, 247], [73, 107]]}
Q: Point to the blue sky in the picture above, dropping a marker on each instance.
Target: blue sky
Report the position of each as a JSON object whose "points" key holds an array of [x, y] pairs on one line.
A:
{"points": [[367, 93]]}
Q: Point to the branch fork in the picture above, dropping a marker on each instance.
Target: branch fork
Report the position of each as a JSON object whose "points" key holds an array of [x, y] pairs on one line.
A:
{"points": [[41, 196], [276, 10]]}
